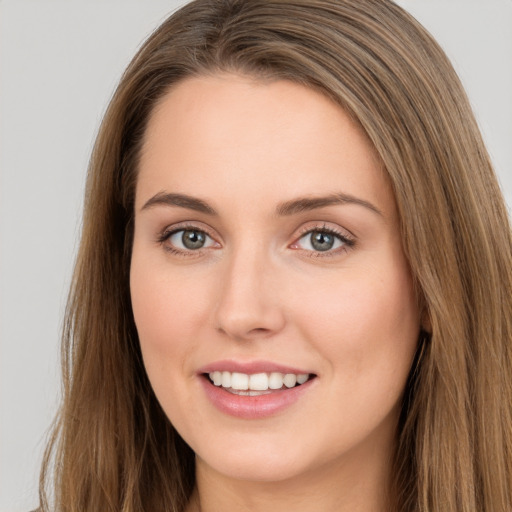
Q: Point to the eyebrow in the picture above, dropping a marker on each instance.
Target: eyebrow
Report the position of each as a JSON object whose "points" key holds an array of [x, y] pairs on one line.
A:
{"points": [[286, 208], [311, 203], [181, 200]]}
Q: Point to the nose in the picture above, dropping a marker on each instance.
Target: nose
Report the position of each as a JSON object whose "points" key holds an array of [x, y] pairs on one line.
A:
{"points": [[249, 305]]}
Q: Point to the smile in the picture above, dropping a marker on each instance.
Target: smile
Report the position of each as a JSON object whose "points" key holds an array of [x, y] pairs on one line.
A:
{"points": [[258, 383], [251, 392]]}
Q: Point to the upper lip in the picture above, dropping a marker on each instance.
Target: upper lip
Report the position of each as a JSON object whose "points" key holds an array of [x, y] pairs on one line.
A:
{"points": [[250, 367]]}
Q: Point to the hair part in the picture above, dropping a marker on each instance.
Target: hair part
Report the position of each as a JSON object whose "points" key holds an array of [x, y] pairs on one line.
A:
{"points": [[113, 447]]}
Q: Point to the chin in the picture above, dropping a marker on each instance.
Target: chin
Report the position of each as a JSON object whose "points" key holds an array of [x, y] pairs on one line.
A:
{"points": [[268, 468]]}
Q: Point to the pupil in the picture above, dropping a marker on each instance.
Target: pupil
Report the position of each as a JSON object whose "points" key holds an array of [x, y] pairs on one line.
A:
{"points": [[193, 239], [322, 241]]}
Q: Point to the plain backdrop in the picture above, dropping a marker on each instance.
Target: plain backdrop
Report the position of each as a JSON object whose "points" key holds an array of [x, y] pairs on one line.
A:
{"points": [[59, 64]]}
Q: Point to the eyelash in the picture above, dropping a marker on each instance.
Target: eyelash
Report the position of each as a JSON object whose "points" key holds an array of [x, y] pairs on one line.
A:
{"points": [[348, 242], [168, 233]]}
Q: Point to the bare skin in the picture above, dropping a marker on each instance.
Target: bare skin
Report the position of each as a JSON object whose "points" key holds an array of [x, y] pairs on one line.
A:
{"points": [[233, 260]]}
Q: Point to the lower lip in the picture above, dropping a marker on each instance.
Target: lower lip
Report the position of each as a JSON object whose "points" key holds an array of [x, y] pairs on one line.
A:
{"points": [[253, 407]]}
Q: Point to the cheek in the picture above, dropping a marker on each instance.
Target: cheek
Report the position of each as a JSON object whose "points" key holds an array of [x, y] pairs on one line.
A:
{"points": [[166, 309], [366, 323], [366, 326]]}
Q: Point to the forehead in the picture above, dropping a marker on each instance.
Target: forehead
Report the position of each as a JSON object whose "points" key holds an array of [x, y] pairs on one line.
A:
{"points": [[228, 133]]}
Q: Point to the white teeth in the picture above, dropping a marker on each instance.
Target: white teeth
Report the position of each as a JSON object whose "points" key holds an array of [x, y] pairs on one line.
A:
{"points": [[275, 381], [290, 380], [257, 381], [303, 377], [217, 378], [239, 381], [226, 379]]}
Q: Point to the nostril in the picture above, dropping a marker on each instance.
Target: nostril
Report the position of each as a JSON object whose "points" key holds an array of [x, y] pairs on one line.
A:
{"points": [[259, 330], [239, 333]]}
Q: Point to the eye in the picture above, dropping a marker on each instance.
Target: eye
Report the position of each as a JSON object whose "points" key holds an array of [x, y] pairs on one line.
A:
{"points": [[322, 240], [189, 240]]}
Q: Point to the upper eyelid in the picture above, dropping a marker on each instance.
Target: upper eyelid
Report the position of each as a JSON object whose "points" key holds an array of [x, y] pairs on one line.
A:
{"points": [[301, 232], [164, 237], [347, 241], [187, 226], [338, 230]]}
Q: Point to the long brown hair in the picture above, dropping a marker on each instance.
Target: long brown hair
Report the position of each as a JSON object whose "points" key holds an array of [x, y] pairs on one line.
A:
{"points": [[113, 448]]}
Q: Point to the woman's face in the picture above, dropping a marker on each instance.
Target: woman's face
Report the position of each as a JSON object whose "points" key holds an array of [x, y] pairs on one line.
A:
{"points": [[267, 250]]}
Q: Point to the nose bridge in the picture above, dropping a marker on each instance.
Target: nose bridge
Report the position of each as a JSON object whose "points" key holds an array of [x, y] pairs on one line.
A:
{"points": [[247, 303]]}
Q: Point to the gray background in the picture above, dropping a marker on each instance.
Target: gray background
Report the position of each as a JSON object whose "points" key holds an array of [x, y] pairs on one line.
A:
{"points": [[59, 63]]}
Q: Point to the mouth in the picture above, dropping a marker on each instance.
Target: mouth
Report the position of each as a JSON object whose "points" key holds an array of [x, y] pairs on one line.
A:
{"points": [[256, 384], [254, 390]]}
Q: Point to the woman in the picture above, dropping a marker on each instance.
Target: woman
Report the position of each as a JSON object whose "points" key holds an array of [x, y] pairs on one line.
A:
{"points": [[293, 285]]}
